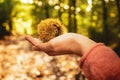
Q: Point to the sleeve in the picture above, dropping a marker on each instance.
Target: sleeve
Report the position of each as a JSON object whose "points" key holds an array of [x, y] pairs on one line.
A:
{"points": [[101, 63]]}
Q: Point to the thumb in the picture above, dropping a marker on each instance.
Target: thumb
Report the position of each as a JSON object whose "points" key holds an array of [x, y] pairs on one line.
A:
{"points": [[40, 45]]}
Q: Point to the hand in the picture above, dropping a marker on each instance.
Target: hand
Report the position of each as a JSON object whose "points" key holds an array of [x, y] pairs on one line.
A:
{"points": [[69, 43]]}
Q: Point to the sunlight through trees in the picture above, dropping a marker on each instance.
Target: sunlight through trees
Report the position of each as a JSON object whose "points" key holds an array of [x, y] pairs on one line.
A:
{"points": [[100, 20]]}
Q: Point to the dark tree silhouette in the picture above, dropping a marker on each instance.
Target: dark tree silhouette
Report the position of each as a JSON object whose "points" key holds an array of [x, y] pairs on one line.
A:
{"points": [[5, 15], [72, 27]]}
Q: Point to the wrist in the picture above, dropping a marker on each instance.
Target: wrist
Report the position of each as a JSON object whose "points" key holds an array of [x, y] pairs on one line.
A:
{"points": [[84, 44]]}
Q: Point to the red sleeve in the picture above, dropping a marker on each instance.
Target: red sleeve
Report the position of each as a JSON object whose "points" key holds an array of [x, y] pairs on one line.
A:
{"points": [[101, 63]]}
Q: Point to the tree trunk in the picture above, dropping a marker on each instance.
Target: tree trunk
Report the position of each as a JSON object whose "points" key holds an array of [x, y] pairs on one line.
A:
{"points": [[59, 12], [3, 31], [74, 12], [117, 48], [10, 25], [118, 8], [70, 18], [46, 5], [105, 26]]}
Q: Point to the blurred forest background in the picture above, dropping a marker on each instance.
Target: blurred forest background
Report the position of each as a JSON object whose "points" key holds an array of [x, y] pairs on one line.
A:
{"points": [[97, 19]]}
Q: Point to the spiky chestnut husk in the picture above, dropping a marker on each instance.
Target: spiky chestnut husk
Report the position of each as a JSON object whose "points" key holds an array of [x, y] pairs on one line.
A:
{"points": [[50, 28]]}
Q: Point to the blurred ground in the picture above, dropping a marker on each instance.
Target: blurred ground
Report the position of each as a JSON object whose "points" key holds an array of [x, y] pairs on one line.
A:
{"points": [[19, 62]]}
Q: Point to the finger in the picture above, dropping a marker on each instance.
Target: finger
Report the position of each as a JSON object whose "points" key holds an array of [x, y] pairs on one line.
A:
{"points": [[41, 46], [35, 48], [31, 40], [52, 53], [45, 46]]}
